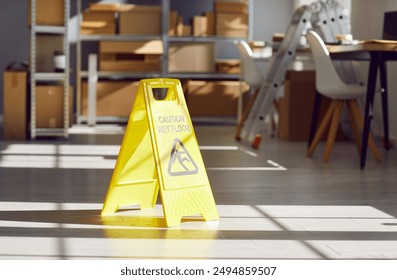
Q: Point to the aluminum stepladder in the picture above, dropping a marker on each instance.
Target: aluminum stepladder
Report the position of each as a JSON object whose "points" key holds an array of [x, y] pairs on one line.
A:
{"points": [[247, 129], [328, 20]]}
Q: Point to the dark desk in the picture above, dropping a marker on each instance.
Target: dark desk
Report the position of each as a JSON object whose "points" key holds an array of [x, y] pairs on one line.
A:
{"points": [[378, 52]]}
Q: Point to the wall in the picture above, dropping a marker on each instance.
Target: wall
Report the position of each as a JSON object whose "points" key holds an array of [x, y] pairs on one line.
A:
{"points": [[271, 17]]}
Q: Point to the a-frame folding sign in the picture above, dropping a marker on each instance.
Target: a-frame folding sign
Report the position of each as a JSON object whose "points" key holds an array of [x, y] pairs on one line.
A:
{"points": [[160, 152]]}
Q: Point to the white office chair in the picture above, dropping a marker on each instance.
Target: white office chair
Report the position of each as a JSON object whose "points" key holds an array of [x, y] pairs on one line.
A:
{"points": [[329, 84], [252, 75]]}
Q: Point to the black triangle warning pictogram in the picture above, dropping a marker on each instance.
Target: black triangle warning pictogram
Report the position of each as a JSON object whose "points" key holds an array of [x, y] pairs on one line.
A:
{"points": [[181, 162]]}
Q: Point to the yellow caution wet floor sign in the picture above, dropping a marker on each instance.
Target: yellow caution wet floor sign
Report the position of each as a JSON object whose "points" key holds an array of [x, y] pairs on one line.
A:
{"points": [[160, 152]]}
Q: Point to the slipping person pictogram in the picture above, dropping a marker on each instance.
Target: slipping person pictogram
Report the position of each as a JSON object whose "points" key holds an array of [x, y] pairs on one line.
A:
{"points": [[181, 162]]}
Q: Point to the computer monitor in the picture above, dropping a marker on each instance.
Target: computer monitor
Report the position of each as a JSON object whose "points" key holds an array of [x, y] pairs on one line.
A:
{"points": [[390, 26]]}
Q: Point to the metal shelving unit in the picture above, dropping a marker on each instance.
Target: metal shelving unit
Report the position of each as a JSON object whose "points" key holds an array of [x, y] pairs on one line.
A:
{"points": [[59, 77], [166, 40]]}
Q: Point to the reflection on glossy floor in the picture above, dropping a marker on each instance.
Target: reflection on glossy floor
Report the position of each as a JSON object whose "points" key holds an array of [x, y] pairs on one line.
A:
{"points": [[274, 203]]}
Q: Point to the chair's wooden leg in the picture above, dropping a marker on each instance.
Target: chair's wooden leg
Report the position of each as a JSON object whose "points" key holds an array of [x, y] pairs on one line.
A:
{"points": [[332, 130], [355, 124], [321, 129], [244, 117], [371, 141]]}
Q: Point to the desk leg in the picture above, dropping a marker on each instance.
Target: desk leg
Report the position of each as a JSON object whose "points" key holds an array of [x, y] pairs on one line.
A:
{"points": [[373, 71], [385, 110]]}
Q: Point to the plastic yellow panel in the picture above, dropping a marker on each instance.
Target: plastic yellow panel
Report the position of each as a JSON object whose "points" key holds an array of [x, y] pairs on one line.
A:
{"points": [[160, 151]]}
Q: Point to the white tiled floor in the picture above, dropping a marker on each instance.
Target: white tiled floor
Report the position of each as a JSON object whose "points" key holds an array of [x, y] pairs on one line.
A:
{"points": [[274, 203]]}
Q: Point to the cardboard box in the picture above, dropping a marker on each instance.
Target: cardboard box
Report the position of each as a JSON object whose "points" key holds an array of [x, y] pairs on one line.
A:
{"points": [[179, 26], [231, 25], [140, 20], [199, 26], [210, 23], [50, 105], [278, 37], [191, 57], [222, 95], [108, 7], [296, 107], [232, 33], [152, 57], [98, 22], [147, 47], [132, 65], [125, 8], [172, 23], [261, 48], [97, 28], [99, 16], [15, 105], [114, 98], [231, 7], [232, 21], [230, 66], [48, 12], [130, 56], [187, 30]]}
